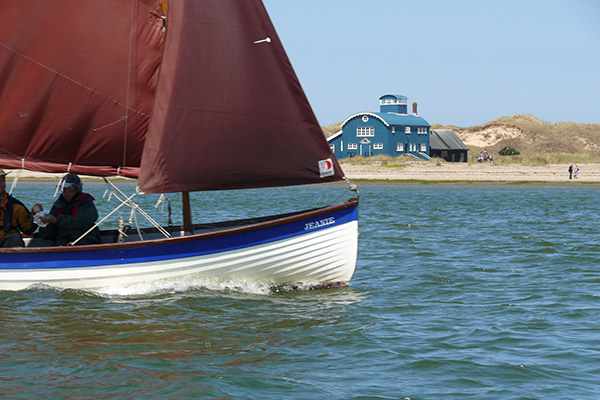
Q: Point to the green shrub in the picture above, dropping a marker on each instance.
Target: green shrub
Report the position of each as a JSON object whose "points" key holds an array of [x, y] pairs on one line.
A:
{"points": [[508, 151]]}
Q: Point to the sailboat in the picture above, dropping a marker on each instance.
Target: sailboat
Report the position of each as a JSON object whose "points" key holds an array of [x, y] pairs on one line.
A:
{"points": [[184, 96]]}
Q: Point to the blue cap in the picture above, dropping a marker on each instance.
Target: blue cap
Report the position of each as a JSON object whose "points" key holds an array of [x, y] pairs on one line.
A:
{"points": [[70, 180]]}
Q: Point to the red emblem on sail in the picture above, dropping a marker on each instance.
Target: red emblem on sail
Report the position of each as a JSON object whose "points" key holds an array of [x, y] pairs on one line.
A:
{"points": [[326, 167]]}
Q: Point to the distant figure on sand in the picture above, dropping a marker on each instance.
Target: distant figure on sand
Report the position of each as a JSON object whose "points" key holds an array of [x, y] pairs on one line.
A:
{"points": [[571, 171], [575, 171]]}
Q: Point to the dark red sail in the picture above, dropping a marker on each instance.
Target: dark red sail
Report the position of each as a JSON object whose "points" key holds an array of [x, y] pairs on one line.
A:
{"points": [[229, 111], [78, 92], [77, 83]]}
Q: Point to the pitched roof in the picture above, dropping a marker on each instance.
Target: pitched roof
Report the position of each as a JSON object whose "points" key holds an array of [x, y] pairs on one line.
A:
{"points": [[445, 139], [338, 133]]}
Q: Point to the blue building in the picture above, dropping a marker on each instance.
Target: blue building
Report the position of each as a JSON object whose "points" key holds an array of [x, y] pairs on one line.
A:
{"points": [[392, 131]]}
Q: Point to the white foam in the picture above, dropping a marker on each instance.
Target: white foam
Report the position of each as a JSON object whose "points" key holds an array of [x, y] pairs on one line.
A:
{"points": [[184, 284]]}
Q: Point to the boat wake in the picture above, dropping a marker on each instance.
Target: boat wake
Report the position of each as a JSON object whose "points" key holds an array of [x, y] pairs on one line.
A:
{"points": [[186, 284], [193, 283]]}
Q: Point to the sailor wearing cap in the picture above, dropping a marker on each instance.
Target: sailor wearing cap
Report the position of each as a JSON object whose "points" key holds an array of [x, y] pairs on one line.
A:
{"points": [[15, 218], [73, 214]]}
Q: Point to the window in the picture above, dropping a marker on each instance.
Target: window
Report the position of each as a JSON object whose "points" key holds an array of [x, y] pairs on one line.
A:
{"points": [[393, 129], [332, 147], [352, 146], [407, 129], [392, 101], [412, 147], [422, 131], [400, 147], [365, 131], [378, 146], [423, 147]]}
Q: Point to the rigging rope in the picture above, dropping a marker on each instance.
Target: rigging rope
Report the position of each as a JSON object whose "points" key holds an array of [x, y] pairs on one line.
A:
{"points": [[102, 220], [117, 193], [351, 187], [134, 207]]}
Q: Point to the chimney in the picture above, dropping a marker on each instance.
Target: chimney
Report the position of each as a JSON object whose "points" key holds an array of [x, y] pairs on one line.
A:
{"points": [[415, 108]]}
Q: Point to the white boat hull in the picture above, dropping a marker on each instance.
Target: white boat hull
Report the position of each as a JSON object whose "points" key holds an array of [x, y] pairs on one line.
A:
{"points": [[275, 254]]}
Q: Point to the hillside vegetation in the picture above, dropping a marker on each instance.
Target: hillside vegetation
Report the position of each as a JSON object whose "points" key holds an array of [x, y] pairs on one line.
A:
{"points": [[331, 129], [538, 142]]}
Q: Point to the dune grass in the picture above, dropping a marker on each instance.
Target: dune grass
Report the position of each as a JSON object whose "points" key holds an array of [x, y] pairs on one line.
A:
{"points": [[540, 143]]}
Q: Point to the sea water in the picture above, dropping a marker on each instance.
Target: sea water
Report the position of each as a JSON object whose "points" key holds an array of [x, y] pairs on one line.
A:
{"points": [[461, 292]]}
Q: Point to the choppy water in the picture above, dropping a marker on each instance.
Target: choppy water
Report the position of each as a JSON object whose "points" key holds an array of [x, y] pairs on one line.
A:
{"points": [[460, 293]]}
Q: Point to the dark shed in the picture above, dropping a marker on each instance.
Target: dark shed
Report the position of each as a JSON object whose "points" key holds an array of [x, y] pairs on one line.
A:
{"points": [[447, 145]]}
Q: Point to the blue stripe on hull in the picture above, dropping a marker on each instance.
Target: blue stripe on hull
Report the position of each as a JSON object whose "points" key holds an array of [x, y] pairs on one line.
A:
{"points": [[173, 249]]}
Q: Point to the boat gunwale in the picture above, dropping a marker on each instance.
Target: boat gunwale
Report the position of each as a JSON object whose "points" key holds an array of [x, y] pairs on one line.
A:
{"points": [[287, 218]]}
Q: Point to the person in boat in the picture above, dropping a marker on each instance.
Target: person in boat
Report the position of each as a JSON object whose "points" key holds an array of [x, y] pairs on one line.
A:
{"points": [[73, 214], [14, 217]]}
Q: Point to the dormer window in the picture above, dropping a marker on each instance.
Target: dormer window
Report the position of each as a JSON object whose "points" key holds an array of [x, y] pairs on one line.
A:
{"points": [[407, 130]]}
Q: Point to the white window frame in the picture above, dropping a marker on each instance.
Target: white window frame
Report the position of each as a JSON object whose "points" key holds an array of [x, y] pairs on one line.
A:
{"points": [[365, 131], [392, 101], [407, 130], [400, 147], [377, 146], [423, 147], [352, 146]]}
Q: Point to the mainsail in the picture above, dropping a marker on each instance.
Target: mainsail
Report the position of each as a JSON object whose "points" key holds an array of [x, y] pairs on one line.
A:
{"points": [[77, 83], [94, 87]]}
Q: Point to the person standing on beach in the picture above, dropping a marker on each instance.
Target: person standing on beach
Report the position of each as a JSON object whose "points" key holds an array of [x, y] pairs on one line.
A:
{"points": [[575, 171], [571, 171]]}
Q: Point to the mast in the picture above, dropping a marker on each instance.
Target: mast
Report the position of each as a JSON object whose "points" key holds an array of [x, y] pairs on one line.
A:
{"points": [[187, 213]]}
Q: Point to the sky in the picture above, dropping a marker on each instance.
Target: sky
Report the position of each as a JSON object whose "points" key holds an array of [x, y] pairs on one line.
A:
{"points": [[464, 62]]}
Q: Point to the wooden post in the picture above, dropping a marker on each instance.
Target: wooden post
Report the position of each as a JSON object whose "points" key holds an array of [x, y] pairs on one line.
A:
{"points": [[187, 213]]}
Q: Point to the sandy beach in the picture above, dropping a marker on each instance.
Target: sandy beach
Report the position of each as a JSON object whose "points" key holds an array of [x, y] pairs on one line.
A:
{"points": [[437, 171], [444, 171]]}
